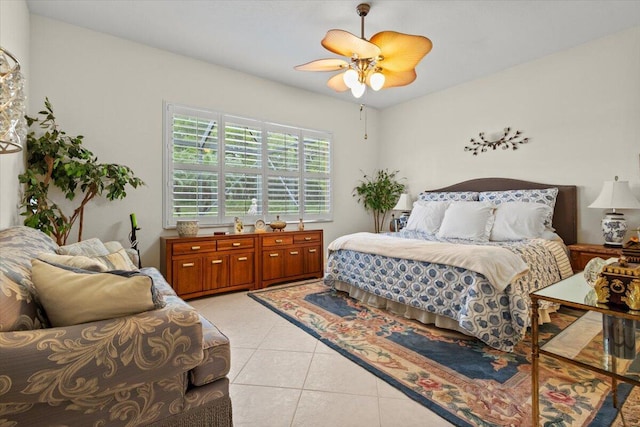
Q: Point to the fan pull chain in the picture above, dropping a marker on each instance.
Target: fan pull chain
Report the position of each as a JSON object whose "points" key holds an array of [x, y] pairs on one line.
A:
{"points": [[364, 107]]}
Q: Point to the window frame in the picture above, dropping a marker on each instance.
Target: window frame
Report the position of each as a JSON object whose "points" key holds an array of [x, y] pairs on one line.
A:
{"points": [[222, 218]]}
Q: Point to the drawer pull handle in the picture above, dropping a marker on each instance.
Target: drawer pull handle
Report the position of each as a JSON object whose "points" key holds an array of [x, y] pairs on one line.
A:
{"points": [[216, 261], [307, 238], [195, 248], [273, 255], [278, 240], [236, 244], [188, 264], [312, 251], [242, 258], [293, 253]]}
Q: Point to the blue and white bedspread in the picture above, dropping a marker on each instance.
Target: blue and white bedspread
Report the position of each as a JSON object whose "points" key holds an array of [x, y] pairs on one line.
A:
{"points": [[500, 319]]}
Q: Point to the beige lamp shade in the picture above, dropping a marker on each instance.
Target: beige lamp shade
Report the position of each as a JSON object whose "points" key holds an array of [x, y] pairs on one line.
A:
{"points": [[404, 203], [616, 195]]}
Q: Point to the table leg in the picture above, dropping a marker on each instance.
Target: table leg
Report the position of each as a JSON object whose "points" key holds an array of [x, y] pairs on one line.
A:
{"points": [[614, 381], [535, 409]]}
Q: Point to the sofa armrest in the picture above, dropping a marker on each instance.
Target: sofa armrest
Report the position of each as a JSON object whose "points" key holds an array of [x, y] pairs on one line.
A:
{"points": [[98, 358]]}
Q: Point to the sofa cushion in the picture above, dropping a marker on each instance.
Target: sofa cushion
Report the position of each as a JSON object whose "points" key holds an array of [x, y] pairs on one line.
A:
{"points": [[19, 306], [118, 260], [217, 356], [70, 297], [77, 261], [90, 247]]}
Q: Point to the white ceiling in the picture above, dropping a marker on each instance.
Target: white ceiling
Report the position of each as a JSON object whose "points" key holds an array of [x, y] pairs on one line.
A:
{"points": [[471, 38]]}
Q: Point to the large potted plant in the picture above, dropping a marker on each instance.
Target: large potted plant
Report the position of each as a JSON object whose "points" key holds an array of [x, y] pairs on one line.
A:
{"points": [[58, 161], [379, 193]]}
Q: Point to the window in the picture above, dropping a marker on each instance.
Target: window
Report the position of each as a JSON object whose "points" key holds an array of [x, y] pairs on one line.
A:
{"points": [[219, 167]]}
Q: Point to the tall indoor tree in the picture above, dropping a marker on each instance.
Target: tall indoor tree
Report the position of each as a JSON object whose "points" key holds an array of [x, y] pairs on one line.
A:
{"points": [[379, 193], [56, 160]]}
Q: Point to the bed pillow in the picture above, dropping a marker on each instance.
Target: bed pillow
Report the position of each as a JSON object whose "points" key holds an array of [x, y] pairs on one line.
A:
{"points": [[519, 221], [426, 216], [545, 196], [70, 297], [467, 220], [451, 196]]}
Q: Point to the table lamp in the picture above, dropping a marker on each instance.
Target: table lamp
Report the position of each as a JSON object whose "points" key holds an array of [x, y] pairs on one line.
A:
{"points": [[404, 205], [615, 195]]}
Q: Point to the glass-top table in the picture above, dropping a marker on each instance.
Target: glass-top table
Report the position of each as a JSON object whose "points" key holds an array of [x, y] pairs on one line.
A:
{"points": [[612, 333]]}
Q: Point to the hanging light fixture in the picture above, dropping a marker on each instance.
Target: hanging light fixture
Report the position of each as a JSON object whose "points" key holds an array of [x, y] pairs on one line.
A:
{"points": [[13, 125], [387, 60]]}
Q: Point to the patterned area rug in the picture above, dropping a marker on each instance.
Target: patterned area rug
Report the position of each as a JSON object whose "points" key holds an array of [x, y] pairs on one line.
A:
{"points": [[457, 377]]}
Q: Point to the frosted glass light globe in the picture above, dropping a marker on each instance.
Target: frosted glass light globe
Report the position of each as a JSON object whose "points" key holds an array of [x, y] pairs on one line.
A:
{"points": [[358, 89], [376, 81], [350, 78]]}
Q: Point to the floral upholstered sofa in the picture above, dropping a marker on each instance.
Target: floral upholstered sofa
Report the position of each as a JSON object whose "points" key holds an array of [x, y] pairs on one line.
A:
{"points": [[161, 364]]}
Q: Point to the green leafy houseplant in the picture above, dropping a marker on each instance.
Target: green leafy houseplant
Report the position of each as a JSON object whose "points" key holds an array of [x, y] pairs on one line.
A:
{"points": [[56, 160], [379, 193]]}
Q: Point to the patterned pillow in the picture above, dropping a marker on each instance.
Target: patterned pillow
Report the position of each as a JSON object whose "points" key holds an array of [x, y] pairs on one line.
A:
{"points": [[77, 261], [77, 296], [90, 247], [117, 261], [546, 195], [452, 196]]}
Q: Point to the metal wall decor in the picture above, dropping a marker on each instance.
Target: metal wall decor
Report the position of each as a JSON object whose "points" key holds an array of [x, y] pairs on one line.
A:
{"points": [[505, 142], [13, 125]]}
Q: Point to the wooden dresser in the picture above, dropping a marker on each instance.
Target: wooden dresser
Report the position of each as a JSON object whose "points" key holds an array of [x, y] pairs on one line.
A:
{"points": [[582, 253], [206, 265]]}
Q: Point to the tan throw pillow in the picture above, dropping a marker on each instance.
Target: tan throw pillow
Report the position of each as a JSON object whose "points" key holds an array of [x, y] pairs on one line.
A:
{"points": [[117, 261], [78, 261], [90, 247], [71, 297]]}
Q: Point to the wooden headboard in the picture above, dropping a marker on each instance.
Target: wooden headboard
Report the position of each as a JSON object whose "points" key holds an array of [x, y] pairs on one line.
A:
{"points": [[565, 216]]}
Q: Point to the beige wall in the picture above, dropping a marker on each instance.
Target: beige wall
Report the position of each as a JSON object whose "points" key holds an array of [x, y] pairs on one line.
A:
{"points": [[14, 36], [580, 108], [111, 91]]}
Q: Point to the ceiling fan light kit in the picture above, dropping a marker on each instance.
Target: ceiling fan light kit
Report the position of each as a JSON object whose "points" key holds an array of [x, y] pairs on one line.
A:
{"points": [[387, 60]]}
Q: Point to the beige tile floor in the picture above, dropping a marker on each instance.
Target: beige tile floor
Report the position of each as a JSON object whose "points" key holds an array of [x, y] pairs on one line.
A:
{"points": [[282, 376]]}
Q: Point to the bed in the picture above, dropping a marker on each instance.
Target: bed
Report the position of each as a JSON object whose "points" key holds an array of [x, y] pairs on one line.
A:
{"points": [[456, 285]]}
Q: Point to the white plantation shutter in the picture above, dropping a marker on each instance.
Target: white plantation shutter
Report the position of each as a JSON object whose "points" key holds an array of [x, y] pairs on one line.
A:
{"points": [[218, 167]]}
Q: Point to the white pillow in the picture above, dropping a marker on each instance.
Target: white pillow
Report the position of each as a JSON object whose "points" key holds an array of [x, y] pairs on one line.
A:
{"points": [[519, 221], [467, 220], [426, 216]]}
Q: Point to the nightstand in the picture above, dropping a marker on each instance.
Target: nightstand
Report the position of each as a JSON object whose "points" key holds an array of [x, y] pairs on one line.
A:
{"points": [[582, 253]]}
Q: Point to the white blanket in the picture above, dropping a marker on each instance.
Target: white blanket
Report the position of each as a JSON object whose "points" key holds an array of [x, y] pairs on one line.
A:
{"points": [[499, 265]]}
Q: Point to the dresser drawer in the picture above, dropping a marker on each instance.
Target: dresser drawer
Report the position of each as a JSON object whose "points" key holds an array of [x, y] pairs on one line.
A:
{"points": [[307, 238], [193, 248], [240, 243], [277, 240]]}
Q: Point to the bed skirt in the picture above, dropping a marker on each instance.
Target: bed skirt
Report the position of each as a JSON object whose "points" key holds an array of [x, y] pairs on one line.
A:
{"points": [[421, 316]]}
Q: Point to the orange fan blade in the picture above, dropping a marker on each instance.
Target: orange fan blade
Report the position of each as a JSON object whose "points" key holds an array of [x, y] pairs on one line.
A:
{"points": [[397, 78], [346, 44], [401, 52], [332, 64], [337, 83]]}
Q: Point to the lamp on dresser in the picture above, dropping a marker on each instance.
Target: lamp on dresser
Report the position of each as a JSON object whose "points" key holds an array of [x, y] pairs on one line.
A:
{"points": [[615, 195]]}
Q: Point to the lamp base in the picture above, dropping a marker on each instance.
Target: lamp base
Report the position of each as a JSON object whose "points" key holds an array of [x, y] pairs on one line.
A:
{"points": [[614, 227]]}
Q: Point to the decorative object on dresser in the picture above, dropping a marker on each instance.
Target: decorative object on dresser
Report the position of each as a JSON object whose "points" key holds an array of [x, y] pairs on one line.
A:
{"points": [[631, 250], [505, 142], [615, 195], [238, 226], [581, 253], [277, 225], [208, 265], [260, 226], [187, 227]]}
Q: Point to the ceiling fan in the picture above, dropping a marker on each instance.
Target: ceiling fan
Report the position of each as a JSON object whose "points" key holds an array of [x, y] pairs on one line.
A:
{"points": [[387, 60]]}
